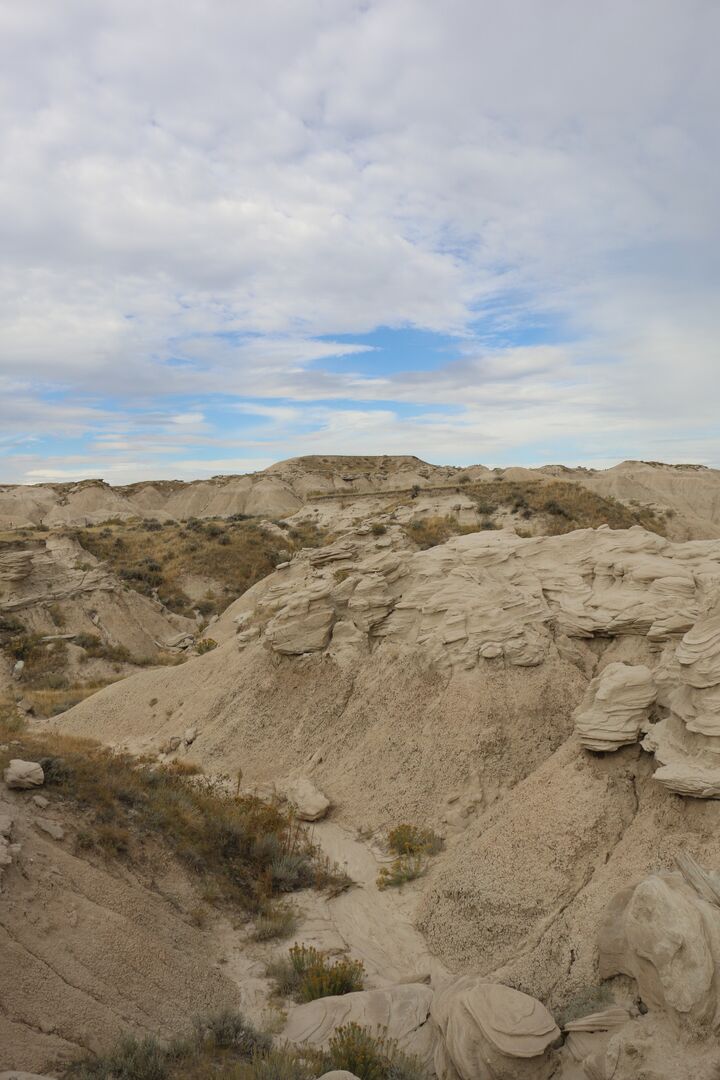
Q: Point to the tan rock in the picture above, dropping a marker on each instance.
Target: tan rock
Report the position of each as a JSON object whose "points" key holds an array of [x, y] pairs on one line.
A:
{"points": [[663, 934], [21, 775], [492, 1032], [615, 707], [310, 804]]}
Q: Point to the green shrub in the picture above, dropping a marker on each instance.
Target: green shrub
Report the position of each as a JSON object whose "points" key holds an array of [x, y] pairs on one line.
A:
{"points": [[306, 974], [276, 920], [229, 1030], [205, 646], [412, 840], [216, 1045], [130, 1059], [403, 869], [371, 1056]]}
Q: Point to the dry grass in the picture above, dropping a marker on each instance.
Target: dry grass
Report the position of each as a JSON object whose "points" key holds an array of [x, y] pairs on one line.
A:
{"points": [[306, 974], [413, 846], [554, 507], [429, 532], [226, 1047], [561, 506], [413, 840], [232, 553], [242, 850]]}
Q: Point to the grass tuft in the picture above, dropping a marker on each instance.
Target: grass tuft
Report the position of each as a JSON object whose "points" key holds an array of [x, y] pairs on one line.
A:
{"points": [[306, 974]]}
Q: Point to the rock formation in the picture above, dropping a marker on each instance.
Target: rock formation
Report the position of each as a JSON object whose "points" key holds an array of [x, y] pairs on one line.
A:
{"points": [[615, 707], [492, 1032], [665, 933]]}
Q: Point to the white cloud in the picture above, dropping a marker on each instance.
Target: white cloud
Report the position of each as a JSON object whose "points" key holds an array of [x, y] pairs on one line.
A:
{"points": [[198, 199]]}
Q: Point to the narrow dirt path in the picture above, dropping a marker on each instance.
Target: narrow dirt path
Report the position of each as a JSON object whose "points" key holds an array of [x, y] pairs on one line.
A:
{"points": [[374, 925]]}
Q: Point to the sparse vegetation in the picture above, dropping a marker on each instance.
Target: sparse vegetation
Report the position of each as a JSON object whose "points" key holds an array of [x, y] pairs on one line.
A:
{"points": [[217, 1044], [158, 558], [559, 506], [227, 1047], [306, 974], [431, 531], [238, 846], [413, 846], [206, 645], [403, 869], [277, 920], [564, 506], [413, 840]]}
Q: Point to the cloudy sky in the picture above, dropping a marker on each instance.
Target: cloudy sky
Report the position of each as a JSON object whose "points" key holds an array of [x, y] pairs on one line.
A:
{"points": [[233, 232]]}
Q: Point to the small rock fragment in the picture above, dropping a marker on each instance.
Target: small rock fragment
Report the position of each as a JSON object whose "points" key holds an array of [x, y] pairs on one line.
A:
{"points": [[41, 802], [52, 828]]}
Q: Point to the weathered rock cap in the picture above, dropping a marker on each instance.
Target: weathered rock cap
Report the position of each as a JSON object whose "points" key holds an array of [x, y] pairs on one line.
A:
{"points": [[22, 775], [518, 1025], [488, 1029]]}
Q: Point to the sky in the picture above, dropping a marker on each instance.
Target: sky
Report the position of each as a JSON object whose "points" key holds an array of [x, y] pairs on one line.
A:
{"points": [[479, 232]]}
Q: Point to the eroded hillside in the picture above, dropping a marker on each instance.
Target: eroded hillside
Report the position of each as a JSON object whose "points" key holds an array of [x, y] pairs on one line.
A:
{"points": [[520, 670]]}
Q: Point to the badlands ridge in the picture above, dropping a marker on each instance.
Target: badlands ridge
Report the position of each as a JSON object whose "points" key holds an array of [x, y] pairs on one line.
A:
{"points": [[546, 698]]}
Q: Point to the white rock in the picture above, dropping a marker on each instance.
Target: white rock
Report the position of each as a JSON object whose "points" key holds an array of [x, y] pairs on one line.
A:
{"points": [[21, 775], [310, 804]]}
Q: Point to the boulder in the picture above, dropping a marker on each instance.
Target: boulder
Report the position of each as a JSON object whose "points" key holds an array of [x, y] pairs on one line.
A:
{"points": [[310, 804], [21, 775], [665, 933], [492, 1032]]}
